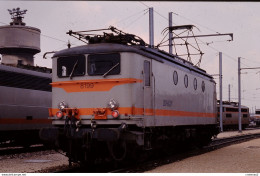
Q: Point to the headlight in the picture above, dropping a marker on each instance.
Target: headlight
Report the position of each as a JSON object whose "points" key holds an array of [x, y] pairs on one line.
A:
{"points": [[62, 105], [115, 114], [113, 104], [59, 114]]}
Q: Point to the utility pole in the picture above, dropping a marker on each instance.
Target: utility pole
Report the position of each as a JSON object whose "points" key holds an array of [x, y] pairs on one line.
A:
{"points": [[170, 33], [239, 97], [239, 92], [151, 28], [229, 93], [220, 92]]}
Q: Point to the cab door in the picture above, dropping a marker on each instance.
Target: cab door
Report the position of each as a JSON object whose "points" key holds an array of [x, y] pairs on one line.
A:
{"points": [[148, 93]]}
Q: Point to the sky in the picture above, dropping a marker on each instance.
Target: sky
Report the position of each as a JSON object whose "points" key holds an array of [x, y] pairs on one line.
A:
{"points": [[55, 18]]}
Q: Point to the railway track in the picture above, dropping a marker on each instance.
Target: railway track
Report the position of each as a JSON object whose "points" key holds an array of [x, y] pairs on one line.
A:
{"points": [[154, 162], [219, 143], [11, 150], [215, 144]]}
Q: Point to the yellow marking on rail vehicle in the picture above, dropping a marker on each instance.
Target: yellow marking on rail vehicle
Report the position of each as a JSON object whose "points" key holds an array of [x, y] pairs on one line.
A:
{"points": [[141, 111]]}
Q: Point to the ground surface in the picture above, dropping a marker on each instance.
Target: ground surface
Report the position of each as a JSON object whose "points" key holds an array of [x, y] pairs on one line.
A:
{"points": [[31, 162], [238, 158]]}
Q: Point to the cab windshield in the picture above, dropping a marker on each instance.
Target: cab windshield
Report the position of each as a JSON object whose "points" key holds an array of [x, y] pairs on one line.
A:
{"points": [[103, 64], [71, 66]]}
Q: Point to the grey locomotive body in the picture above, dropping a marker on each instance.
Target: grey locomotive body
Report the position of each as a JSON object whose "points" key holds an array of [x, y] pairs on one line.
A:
{"points": [[256, 117], [116, 98]]}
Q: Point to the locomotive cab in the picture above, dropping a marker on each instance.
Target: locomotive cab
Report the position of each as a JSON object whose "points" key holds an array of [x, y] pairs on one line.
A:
{"points": [[98, 88]]}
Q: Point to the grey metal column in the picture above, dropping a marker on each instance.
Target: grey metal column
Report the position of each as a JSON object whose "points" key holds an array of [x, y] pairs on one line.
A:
{"points": [[239, 96], [170, 33], [151, 28], [229, 92], [220, 93]]}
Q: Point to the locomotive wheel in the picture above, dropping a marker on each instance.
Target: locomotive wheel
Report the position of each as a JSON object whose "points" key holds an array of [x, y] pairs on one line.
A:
{"points": [[117, 150]]}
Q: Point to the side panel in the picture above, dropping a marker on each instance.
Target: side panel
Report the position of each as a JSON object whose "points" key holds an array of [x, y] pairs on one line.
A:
{"points": [[187, 99], [231, 118], [23, 108]]}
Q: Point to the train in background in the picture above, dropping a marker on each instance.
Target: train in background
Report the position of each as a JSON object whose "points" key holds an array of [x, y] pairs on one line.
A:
{"points": [[116, 97], [25, 99], [25, 89], [255, 118], [230, 115]]}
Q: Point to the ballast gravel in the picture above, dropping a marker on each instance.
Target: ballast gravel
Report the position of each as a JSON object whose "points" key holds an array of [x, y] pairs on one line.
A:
{"points": [[33, 162]]}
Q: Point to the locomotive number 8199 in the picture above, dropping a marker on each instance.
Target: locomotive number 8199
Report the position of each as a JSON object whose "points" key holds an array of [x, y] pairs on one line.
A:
{"points": [[116, 96]]}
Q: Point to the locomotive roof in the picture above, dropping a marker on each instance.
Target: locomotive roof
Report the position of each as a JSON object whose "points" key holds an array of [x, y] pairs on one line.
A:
{"points": [[152, 53], [232, 106]]}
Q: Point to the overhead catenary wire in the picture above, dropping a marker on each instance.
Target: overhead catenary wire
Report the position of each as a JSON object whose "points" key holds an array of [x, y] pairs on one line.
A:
{"points": [[252, 60], [205, 43], [44, 35], [128, 17], [53, 38], [196, 23], [156, 12], [135, 20]]}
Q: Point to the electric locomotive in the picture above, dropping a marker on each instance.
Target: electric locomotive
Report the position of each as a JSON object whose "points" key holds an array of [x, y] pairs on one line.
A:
{"points": [[256, 117], [116, 95], [230, 115]]}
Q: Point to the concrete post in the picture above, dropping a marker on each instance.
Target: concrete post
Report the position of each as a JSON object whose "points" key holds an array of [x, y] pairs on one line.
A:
{"points": [[220, 93], [151, 28], [170, 33], [239, 96]]}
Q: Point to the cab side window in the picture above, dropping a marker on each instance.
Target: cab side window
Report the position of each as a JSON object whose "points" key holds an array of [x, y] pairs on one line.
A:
{"points": [[147, 73], [71, 66]]}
